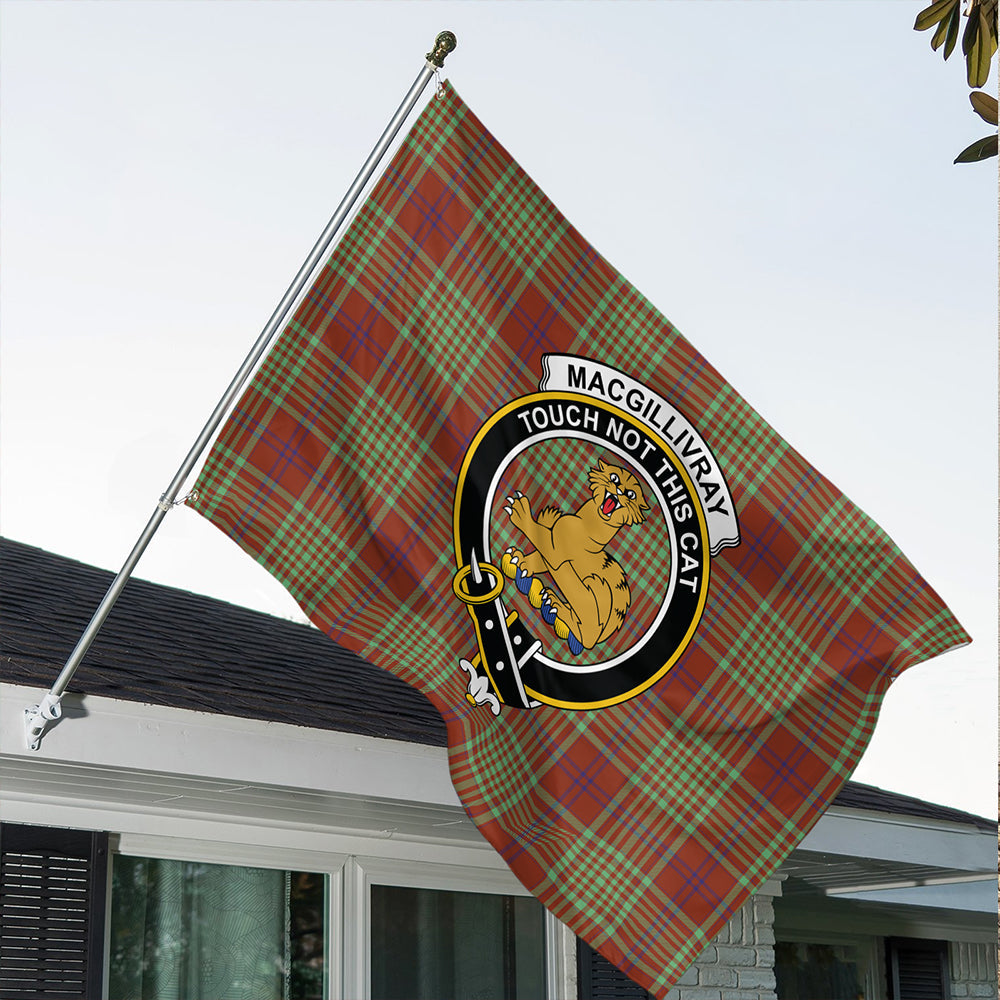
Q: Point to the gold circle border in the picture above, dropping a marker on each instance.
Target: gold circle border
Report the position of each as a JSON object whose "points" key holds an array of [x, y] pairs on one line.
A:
{"points": [[601, 404]]}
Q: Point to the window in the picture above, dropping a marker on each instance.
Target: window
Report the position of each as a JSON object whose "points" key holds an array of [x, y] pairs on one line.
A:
{"points": [[805, 970], [175, 918], [183, 930], [433, 943]]}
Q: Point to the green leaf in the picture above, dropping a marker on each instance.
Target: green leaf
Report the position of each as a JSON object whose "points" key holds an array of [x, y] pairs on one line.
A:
{"points": [[981, 50], [970, 35], [985, 105], [930, 16], [942, 32], [954, 23], [981, 149]]}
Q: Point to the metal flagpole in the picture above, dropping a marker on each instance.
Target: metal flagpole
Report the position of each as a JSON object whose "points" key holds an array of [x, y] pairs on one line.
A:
{"points": [[37, 717]]}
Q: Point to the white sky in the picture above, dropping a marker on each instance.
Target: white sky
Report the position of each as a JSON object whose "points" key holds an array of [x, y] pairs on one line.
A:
{"points": [[777, 177]]}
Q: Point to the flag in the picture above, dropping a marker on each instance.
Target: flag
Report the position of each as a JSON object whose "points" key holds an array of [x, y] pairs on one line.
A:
{"points": [[658, 637]]}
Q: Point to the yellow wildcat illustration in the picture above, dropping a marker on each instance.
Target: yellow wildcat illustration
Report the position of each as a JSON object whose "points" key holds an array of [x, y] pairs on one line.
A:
{"points": [[570, 548]]}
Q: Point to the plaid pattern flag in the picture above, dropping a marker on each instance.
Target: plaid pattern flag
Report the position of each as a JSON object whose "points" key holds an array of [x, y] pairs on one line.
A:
{"points": [[658, 637]]}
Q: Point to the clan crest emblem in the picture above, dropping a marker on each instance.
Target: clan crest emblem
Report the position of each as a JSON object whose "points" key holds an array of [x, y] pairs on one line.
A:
{"points": [[585, 519]]}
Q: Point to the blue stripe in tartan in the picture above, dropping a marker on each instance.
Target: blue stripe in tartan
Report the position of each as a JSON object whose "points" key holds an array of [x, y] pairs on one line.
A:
{"points": [[521, 840], [782, 771], [265, 490], [511, 382], [395, 556], [535, 331], [756, 548], [432, 214], [694, 879], [904, 599], [759, 544], [721, 598], [358, 339], [689, 376], [468, 165], [660, 924], [735, 835], [354, 337], [248, 516], [636, 712], [582, 781]]}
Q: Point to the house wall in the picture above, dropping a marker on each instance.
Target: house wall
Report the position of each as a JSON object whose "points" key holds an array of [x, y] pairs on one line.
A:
{"points": [[973, 970], [179, 784], [739, 963]]}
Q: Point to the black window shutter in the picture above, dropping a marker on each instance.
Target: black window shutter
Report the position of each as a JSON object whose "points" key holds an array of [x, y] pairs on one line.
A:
{"points": [[917, 969], [598, 979], [53, 890]]}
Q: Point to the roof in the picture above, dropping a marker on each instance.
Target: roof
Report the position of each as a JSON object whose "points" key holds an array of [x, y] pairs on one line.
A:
{"points": [[168, 647]]}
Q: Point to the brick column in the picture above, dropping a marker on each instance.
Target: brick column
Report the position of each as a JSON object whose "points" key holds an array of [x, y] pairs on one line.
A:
{"points": [[973, 970], [739, 963]]}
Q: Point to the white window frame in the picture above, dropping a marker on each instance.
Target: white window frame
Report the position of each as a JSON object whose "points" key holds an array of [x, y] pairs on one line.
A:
{"points": [[361, 873], [869, 950], [331, 865]]}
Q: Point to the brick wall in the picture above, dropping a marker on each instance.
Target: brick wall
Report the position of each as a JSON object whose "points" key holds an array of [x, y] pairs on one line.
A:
{"points": [[739, 963], [973, 970]]}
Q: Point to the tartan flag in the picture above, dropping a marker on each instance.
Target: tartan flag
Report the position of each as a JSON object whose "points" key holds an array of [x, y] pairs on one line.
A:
{"points": [[659, 638]]}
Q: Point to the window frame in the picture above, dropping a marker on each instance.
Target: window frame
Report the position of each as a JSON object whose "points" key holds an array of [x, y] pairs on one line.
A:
{"points": [[349, 880], [165, 848], [361, 873], [869, 954]]}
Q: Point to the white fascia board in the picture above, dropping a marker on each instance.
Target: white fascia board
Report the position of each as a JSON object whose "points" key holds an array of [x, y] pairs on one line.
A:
{"points": [[968, 897], [905, 839], [173, 834], [113, 733]]}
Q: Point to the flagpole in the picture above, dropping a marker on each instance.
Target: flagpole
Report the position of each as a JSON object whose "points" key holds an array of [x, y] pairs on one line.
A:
{"points": [[37, 717]]}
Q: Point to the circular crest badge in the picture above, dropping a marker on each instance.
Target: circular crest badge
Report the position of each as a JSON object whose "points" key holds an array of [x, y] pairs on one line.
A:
{"points": [[586, 515]]}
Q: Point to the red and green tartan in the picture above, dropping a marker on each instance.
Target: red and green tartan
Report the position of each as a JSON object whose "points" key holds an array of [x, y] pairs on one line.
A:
{"points": [[644, 825]]}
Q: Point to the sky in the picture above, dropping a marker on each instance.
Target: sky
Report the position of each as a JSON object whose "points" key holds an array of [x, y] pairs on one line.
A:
{"points": [[775, 175]]}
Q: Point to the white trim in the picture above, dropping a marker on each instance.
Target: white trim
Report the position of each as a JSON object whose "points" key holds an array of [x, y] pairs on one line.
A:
{"points": [[905, 839], [852, 890], [357, 954], [960, 896], [228, 853], [132, 735], [455, 878], [240, 836], [331, 866], [560, 959], [335, 930]]}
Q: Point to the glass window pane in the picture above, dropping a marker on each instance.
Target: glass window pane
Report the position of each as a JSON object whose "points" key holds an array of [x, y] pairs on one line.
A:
{"points": [[427, 944], [185, 930], [807, 971]]}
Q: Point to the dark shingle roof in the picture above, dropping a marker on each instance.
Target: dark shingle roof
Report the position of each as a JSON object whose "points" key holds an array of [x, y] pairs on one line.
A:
{"points": [[164, 646], [856, 796]]}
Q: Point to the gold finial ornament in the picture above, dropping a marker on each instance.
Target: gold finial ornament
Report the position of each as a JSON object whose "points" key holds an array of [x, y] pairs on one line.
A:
{"points": [[443, 44]]}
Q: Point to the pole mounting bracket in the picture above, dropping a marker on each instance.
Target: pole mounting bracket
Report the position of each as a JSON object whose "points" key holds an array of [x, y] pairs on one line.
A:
{"points": [[37, 718]]}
